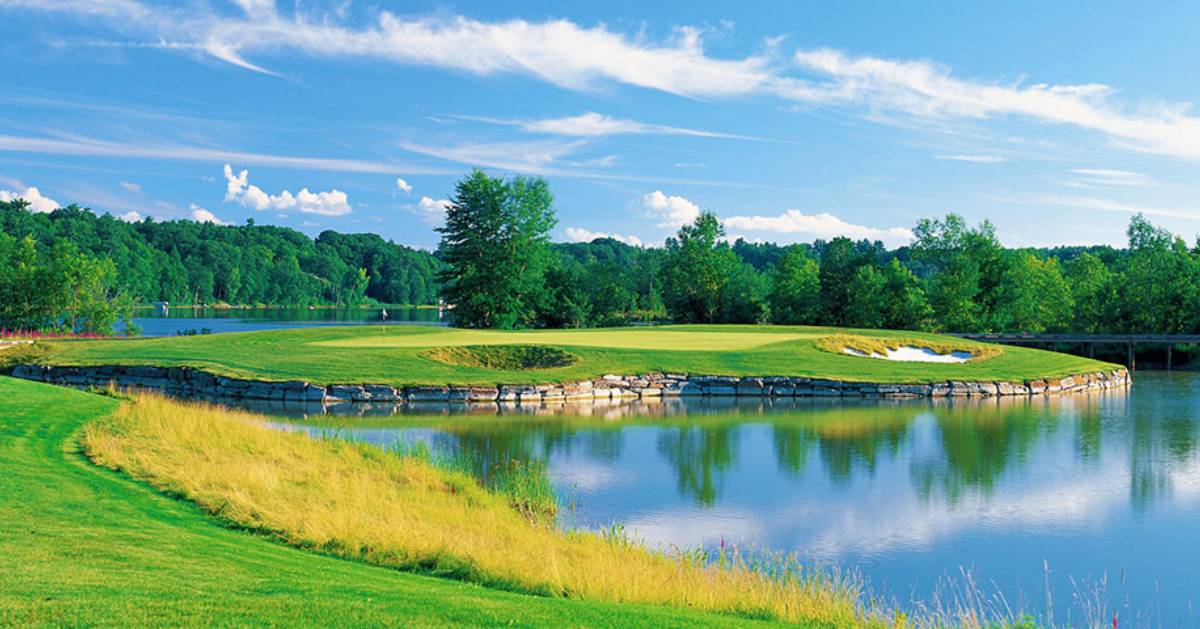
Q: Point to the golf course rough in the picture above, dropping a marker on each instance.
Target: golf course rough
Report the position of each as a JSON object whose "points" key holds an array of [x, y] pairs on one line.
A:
{"points": [[82, 545], [434, 364]]}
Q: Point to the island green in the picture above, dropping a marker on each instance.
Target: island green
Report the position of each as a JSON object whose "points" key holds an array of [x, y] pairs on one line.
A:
{"points": [[400, 355]]}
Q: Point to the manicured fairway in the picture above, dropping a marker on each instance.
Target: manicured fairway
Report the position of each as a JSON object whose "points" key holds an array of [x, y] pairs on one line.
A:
{"points": [[80, 545], [394, 356], [676, 338]]}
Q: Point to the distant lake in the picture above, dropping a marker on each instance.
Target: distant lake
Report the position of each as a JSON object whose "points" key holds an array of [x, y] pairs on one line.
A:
{"points": [[155, 322], [1100, 487]]}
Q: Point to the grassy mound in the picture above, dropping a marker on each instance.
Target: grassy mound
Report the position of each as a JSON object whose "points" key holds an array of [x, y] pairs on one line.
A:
{"points": [[512, 357], [391, 509], [85, 547], [837, 343]]}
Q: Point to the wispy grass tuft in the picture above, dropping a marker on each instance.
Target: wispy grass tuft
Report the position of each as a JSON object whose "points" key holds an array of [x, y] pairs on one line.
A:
{"points": [[401, 510], [837, 343]]}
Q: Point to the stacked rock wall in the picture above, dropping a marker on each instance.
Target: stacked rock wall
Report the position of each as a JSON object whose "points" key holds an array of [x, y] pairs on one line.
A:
{"points": [[189, 382]]}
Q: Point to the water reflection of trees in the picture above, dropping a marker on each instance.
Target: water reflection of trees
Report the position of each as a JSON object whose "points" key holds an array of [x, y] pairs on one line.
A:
{"points": [[700, 457], [846, 438], [980, 442], [489, 443], [962, 447], [1162, 435]]}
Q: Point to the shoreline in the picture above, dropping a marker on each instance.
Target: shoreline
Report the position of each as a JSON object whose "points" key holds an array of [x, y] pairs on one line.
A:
{"points": [[191, 382]]}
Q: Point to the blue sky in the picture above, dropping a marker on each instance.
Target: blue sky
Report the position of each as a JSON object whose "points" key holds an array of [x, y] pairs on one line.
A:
{"points": [[791, 121]]}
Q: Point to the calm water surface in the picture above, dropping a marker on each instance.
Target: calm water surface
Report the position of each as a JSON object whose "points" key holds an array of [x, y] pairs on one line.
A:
{"points": [[155, 322], [908, 493]]}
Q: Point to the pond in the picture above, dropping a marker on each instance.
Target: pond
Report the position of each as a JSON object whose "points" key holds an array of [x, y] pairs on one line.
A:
{"points": [[1088, 497], [173, 321]]}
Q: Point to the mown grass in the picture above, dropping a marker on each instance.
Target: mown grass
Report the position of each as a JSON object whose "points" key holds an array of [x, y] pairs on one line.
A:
{"points": [[83, 546], [344, 355], [879, 345], [360, 502]]}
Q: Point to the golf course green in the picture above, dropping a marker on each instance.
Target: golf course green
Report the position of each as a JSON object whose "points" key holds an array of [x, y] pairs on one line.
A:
{"points": [[407, 355]]}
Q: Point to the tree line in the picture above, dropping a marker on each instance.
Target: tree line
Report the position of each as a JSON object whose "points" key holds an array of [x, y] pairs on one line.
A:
{"points": [[188, 262], [503, 271], [76, 271]]}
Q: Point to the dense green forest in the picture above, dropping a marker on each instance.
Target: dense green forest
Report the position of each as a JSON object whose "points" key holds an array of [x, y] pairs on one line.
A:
{"points": [[189, 262], [496, 264], [953, 277]]}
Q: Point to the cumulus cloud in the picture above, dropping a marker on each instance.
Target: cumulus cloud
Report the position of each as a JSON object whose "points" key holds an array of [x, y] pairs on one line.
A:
{"points": [[239, 189], [579, 234], [671, 211], [202, 215], [403, 185], [795, 226], [37, 202], [432, 212], [132, 216]]}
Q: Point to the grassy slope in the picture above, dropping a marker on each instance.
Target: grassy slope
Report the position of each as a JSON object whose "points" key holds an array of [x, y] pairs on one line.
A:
{"points": [[84, 546], [368, 354]]}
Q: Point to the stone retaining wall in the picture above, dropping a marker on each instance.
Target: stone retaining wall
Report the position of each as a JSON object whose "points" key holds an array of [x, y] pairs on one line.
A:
{"points": [[189, 382]]}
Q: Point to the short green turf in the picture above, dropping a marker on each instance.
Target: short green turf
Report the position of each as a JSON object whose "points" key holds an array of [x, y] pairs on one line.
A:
{"points": [[394, 356], [84, 546]]}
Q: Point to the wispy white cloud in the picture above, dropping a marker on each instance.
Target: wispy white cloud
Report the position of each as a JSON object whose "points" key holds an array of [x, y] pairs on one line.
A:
{"points": [[579, 234], [795, 226], [579, 57], [928, 90], [239, 189], [1104, 205], [404, 186], [37, 201], [977, 159], [1109, 178], [670, 210], [132, 187], [592, 124], [92, 147], [538, 156]]}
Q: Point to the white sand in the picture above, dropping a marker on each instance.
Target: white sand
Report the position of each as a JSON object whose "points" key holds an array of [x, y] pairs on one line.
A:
{"points": [[912, 354]]}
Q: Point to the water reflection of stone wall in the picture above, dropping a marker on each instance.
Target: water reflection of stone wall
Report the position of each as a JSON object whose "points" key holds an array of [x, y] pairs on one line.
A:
{"points": [[601, 392]]}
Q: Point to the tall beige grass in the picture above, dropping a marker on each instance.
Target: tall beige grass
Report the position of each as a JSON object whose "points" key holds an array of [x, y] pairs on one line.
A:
{"points": [[361, 502]]}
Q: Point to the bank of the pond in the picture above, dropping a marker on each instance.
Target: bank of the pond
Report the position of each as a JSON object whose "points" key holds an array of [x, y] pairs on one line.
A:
{"points": [[84, 546], [400, 510], [412, 362], [195, 383]]}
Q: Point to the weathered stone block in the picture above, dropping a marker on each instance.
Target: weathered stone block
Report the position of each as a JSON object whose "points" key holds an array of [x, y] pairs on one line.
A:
{"points": [[750, 387], [427, 394]]}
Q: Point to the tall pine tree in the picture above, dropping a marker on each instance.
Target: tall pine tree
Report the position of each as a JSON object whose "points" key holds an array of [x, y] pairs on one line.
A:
{"points": [[496, 248]]}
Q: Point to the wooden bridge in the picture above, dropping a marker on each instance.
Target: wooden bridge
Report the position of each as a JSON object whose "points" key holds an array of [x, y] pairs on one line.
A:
{"points": [[1090, 341]]}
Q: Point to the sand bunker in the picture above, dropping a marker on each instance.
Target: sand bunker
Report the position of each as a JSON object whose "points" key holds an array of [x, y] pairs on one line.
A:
{"points": [[912, 354]]}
